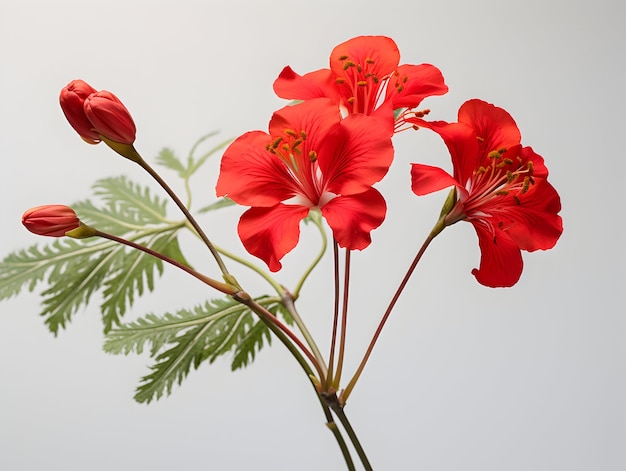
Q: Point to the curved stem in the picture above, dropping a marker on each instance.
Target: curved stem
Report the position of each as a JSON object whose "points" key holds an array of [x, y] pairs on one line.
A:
{"points": [[333, 338], [435, 231], [218, 285], [344, 321], [143, 164], [337, 408], [317, 221], [287, 300]]}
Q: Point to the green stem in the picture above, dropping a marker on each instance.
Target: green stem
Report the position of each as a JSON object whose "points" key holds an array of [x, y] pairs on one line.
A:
{"points": [[435, 231], [318, 222], [337, 408], [218, 285], [287, 300], [136, 157], [344, 321], [333, 337]]}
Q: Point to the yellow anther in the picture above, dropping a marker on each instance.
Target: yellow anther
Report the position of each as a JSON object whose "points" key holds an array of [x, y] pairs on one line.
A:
{"points": [[507, 160], [351, 100], [291, 132], [276, 142], [531, 167], [286, 147], [313, 156], [369, 61], [343, 58], [502, 192], [526, 185], [303, 135], [375, 79], [359, 68], [510, 176], [339, 81], [362, 83], [348, 64], [296, 143], [502, 150], [405, 79], [517, 200], [399, 89], [493, 154]]}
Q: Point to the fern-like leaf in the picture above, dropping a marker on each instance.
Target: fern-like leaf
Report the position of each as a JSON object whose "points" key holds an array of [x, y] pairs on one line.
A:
{"points": [[189, 337]]}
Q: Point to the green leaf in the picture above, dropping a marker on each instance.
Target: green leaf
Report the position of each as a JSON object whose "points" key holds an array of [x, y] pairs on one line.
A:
{"points": [[189, 337], [221, 203], [167, 158], [128, 271], [127, 206], [193, 164]]}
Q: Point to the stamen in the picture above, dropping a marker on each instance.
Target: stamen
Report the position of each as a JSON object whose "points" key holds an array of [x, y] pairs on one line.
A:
{"points": [[303, 135], [362, 83], [313, 156], [369, 61], [526, 184], [493, 154], [517, 199], [339, 81], [343, 58], [351, 100], [291, 132], [348, 64]]}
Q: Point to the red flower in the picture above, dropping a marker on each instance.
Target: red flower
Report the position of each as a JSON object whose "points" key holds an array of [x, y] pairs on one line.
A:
{"points": [[109, 117], [502, 189], [52, 220], [364, 77], [311, 158], [72, 100], [96, 114]]}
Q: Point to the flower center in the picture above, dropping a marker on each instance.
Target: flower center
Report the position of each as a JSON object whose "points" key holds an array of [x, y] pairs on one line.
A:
{"points": [[362, 84], [301, 164], [503, 177]]}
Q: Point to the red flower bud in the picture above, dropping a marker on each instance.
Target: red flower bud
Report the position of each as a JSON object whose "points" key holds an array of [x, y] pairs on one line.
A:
{"points": [[109, 117], [72, 101], [51, 220]]}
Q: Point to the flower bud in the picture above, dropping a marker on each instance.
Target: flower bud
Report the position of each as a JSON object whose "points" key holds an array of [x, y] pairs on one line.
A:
{"points": [[109, 117], [51, 220], [72, 100]]}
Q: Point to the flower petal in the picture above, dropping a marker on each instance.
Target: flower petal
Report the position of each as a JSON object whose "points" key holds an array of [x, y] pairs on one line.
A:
{"points": [[270, 233], [355, 154], [533, 223], [252, 176], [494, 126], [352, 218], [500, 261], [427, 179], [380, 52], [412, 83], [292, 86]]}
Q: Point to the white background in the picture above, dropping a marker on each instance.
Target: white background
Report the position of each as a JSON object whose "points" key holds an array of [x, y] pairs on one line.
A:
{"points": [[464, 377]]}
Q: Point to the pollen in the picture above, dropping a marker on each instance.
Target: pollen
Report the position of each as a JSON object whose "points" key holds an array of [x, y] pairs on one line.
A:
{"points": [[291, 132], [369, 61], [339, 81], [348, 64], [493, 154], [343, 58], [313, 156], [526, 184], [362, 83], [351, 100]]}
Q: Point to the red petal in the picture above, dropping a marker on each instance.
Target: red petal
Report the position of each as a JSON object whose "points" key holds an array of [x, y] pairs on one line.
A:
{"points": [[462, 145], [314, 117], [356, 154], [292, 86], [494, 126], [382, 50], [426, 179], [270, 233], [501, 260], [414, 83], [352, 218], [534, 223], [251, 175]]}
